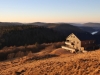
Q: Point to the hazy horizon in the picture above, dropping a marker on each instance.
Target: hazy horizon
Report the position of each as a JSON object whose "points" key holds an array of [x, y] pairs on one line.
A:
{"points": [[50, 11]]}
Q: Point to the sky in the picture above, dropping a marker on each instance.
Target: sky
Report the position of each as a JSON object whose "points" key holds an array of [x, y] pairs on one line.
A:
{"points": [[76, 11]]}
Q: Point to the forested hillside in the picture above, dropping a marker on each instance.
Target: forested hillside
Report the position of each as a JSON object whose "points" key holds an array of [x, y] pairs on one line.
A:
{"points": [[64, 28], [27, 34]]}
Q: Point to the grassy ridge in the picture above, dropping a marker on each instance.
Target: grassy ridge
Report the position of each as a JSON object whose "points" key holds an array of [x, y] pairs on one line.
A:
{"points": [[67, 64]]}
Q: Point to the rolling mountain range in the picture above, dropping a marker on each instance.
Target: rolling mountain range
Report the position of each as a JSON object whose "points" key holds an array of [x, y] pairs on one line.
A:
{"points": [[89, 27], [65, 28], [21, 34]]}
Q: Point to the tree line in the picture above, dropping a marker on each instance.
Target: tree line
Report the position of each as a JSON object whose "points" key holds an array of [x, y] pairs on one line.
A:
{"points": [[27, 34]]}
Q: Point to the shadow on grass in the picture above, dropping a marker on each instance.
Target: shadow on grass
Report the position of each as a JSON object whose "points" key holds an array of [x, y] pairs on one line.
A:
{"points": [[42, 57]]}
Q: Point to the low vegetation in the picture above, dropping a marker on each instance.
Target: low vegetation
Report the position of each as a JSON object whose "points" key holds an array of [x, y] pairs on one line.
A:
{"points": [[20, 51], [51, 64]]}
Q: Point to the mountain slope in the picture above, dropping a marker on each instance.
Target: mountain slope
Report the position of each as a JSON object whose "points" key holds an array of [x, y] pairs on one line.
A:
{"points": [[88, 29], [95, 26], [68, 64], [28, 34], [92, 24], [65, 29]]}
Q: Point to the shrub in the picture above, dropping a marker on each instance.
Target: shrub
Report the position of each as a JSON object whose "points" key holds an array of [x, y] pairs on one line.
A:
{"points": [[19, 54], [11, 55]]}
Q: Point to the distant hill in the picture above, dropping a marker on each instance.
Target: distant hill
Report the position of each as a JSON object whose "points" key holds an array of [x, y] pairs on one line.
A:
{"points": [[38, 23], [95, 26], [64, 28], [88, 29], [10, 23], [92, 24], [76, 24]]}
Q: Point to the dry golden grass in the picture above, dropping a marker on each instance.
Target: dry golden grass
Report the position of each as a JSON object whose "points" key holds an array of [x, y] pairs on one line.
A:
{"points": [[46, 64], [60, 51], [14, 52]]}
